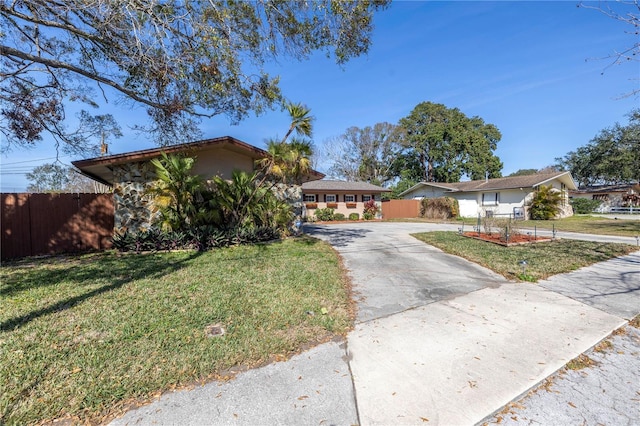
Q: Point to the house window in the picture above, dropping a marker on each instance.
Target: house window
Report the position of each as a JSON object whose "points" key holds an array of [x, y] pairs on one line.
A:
{"points": [[490, 198], [330, 198], [366, 198], [309, 198], [349, 198]]}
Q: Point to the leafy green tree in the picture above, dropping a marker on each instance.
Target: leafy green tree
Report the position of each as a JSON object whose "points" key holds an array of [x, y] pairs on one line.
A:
{"points": [[51, 177], [181, 60], [367, 155], [448, 145], [545, 203], [405, 182], [611, 157]]}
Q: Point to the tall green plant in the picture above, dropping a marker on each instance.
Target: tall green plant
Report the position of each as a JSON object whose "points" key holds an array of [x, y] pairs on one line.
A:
{"points": [[177, 193], [545, 204], [245, 202]]}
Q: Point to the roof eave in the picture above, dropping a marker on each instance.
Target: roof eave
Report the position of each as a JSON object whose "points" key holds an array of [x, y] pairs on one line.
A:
{"points": [[564, 176], [419, 184]]}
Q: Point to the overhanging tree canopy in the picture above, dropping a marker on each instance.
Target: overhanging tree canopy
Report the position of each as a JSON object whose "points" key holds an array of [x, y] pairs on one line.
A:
{"points": [[181, 60]]}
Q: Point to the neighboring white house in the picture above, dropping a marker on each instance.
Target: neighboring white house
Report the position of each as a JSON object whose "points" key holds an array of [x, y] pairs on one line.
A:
{"points": [[501, 196]]}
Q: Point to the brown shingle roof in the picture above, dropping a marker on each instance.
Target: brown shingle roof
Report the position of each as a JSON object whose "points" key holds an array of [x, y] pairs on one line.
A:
{"points": [[340, 185], [528, 181], [99, 168], [497, 184]]}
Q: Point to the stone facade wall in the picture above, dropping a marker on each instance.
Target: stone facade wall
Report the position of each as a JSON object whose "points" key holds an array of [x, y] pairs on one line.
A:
{"points": [[292, 194], [133, 209]]}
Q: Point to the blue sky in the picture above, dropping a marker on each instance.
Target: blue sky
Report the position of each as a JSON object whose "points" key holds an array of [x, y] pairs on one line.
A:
{"points": [[530, 68]]}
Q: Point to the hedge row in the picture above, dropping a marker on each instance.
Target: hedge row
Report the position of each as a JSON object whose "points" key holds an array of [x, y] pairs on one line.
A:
{"points": [[202, 238]]}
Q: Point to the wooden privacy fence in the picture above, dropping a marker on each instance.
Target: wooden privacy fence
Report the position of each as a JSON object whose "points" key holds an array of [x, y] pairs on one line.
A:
{"points": [[396, 209], [37, 224]]}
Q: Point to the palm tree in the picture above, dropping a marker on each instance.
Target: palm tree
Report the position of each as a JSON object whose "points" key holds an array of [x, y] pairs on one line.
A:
{"points": [[298, 161], [244, 204], [290, 159], [176, 191], [545, 204], [301, 120]]}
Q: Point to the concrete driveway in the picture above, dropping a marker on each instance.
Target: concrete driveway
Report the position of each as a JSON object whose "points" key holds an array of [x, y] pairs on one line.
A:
{"points": [[437, 340], [442, 340], [391, 271]]}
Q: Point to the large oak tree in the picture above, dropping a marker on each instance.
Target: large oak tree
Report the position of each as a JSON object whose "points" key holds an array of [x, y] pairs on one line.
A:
{"points": [[611, 157], [181, 60], [445, 145]]}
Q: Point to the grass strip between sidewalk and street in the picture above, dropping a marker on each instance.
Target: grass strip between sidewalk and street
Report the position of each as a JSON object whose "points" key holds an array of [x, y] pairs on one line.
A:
{"points": [[543, 258], [84, 337]]}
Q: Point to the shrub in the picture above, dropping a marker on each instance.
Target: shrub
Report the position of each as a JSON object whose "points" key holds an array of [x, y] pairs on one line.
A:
{"points": [[198, 238], [584, 205], [338, 216], [545, 204], [370, 210], [439, 208], [354, 216], [324, 214]]}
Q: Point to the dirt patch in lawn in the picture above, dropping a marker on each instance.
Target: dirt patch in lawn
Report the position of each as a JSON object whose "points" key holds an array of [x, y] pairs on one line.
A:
{"points": [[514, 239]]}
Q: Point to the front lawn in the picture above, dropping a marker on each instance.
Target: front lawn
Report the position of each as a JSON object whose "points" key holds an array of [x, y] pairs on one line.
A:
{"points": [[543, 258], [579, 223], [588, 225], [81, 337]]}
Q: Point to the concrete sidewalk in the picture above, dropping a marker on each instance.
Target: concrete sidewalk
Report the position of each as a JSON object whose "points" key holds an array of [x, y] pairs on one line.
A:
{"points": [[437, 340]]}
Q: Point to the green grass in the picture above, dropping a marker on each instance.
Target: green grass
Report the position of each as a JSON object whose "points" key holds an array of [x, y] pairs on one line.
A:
{"points": [[588, 225], [579, 223], [543, 258], [80, 337]]}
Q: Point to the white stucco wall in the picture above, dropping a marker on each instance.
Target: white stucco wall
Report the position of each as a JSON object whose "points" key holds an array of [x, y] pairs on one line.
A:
{"points": [[468, 203], [511, 198]]}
